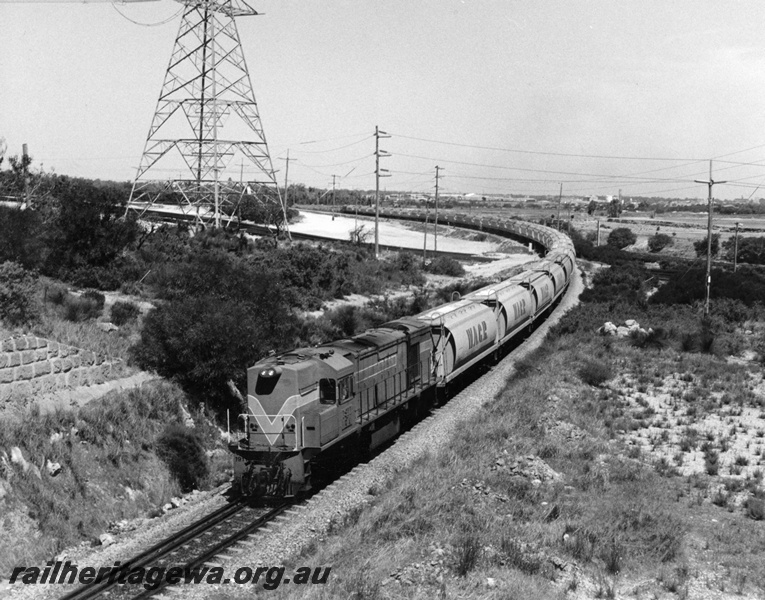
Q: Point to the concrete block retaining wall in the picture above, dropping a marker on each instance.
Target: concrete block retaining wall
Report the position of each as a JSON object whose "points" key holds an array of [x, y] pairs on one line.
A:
{"points": [[31, 366]]}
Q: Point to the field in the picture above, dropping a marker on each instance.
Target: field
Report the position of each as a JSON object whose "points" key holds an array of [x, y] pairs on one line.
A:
{"points": [[684, 227]]}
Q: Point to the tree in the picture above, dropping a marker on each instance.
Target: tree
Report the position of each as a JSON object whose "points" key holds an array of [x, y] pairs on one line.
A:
{"points": [[621, 237], [223, 314], [359, 234], [615, 208], [750, 249], [701, 246], [658, 242], [17, 302]]}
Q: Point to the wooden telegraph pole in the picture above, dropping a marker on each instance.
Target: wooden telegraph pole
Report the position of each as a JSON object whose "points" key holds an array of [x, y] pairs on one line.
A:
{"points": [[711, 182]]}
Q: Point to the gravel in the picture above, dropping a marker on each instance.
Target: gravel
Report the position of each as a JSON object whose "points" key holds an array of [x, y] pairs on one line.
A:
{"points": [[309, 521]]}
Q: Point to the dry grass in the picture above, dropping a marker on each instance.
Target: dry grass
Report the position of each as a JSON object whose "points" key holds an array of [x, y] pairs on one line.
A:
{"points": [[109, 470], [631, 507]]}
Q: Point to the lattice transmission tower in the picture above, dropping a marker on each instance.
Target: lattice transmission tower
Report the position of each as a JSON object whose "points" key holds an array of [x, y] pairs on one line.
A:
{"points": [[206, 147]]}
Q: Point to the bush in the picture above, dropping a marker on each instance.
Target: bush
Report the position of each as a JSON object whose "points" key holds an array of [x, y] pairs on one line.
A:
{"points": [[204, 342], [444, 265], [658, 242], [124, 312], [755, 508], [700, 247], [467, 551], [80, 308], [17, 288], [595, 373], [625, 282], [96, 296], [621, 237], [182, 451], [56, 294], [687, 286]]}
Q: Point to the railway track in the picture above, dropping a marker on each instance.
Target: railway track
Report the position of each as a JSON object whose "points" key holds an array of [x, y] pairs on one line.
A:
{"points": [[188, 549]]}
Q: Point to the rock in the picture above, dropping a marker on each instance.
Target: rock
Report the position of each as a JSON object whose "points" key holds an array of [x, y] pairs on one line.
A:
{"points": [[106, 539], [167, 507], [17, 458], [622, 331], [558, 563], [56, 436], [54, 468], [749, 355], [107, 326], [175, 502], [631, 323], [491, 582], [607, 329]]}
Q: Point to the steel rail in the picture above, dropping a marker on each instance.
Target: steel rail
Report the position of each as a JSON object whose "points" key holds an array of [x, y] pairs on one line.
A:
{"points": [[220, 547], [160, 549]]}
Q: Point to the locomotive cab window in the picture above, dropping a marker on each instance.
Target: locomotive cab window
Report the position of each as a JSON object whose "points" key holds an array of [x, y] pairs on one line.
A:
{"points": [[327, 391], [345, 389]]}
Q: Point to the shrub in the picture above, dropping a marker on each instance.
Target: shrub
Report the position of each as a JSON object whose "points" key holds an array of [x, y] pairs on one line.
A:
{"points": [[56, 294], [698, 341], [346, 319], [17, 288], [623, 282], [595, 373], [80, 308], [206, 341], [755, 508], [96, 296], [700, 247], [653, 338], [444, 265], [123, 312], [621, 237], [182, 451], [467, 552], [656, 243]]}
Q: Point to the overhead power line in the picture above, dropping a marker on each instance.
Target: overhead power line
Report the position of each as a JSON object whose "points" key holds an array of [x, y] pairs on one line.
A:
{"points": [[547, 153]]}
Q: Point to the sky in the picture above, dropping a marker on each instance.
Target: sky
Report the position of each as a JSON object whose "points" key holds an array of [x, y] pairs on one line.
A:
{"points": [[506, 97]]}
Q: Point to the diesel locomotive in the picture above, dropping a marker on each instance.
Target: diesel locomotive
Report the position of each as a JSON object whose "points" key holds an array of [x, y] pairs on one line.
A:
{"points": [[362, 391]]}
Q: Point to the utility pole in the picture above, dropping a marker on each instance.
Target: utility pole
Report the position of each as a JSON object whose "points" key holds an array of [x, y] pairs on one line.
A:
{"points": [[560, 198], [284, 200], [435, 226], [378, 173], [425, 237], [709, 184], [333, 197], [735, 250], [25, 172]]}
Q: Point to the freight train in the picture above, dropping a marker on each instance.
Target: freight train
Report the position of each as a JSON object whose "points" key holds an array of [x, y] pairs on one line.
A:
{"points": [[361, 392]]}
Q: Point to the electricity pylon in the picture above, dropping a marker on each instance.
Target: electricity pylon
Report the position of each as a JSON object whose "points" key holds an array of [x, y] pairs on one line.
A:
{"points": [[206, 131]]}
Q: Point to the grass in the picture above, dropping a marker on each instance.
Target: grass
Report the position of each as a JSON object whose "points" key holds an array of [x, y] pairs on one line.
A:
{"points": [[86, 334], [623, 513], [110, 470]]}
